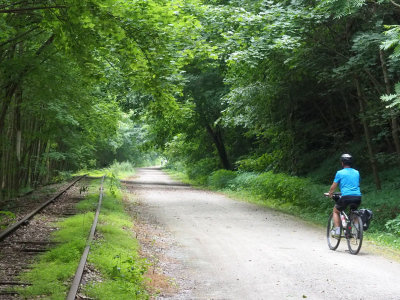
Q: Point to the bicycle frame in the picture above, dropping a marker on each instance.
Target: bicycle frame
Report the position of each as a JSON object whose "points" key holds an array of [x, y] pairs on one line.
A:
{"points": [[347, 219], [351, 232]]}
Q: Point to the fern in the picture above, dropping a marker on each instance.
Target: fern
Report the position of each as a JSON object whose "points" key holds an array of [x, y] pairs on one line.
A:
{"points": [[341, 8], [393, 100], [392, 40]]}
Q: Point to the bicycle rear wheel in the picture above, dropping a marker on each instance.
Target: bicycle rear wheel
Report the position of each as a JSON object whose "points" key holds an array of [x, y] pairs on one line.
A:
{"points": [[355, 234], [333, 242]]}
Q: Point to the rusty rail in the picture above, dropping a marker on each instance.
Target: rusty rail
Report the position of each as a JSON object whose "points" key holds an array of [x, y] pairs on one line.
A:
{"points": [[15, 226], [79, 271]]}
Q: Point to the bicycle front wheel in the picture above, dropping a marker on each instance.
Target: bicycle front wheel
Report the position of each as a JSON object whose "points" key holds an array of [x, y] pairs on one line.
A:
{"points": [[355, 234], [333, 242]]}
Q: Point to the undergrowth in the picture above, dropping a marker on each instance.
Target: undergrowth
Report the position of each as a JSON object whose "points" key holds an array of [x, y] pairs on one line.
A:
{"points": [[114, 253], [117, 169]]}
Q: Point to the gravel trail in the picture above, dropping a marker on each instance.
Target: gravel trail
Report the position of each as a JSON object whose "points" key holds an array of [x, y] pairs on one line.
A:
{"points": [[220, 248]]}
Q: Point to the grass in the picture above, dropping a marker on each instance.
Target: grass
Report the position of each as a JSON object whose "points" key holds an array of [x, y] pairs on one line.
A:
{"points": [[114, 253], [117, 169]]}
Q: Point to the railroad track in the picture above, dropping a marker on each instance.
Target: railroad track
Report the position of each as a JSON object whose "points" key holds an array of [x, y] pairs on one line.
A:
{"points": [[22, 241], [79, 271]]}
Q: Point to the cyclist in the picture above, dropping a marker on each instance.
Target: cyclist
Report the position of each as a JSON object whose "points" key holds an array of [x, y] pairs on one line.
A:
{"points": [[348, 180]]}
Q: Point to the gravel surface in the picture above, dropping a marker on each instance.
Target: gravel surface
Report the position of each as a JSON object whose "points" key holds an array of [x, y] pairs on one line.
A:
{"points": [[214, 247]]}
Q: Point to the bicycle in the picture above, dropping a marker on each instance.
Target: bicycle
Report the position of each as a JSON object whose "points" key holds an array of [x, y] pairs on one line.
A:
{"points": [[351, 228]]}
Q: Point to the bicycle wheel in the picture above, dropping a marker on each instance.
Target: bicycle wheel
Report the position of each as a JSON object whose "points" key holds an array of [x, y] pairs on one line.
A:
{"points": [[355, 234], [333, 242]]}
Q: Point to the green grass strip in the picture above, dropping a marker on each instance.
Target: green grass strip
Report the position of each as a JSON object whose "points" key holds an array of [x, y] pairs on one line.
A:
{"points": [[114, 253]]}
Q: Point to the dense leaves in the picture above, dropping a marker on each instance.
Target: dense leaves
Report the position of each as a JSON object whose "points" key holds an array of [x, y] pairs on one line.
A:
{"points": [[282, 86], [67, 69], [305, 81]]}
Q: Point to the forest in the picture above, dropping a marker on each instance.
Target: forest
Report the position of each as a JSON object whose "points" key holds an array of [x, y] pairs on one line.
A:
{"points": [[243, 85]]}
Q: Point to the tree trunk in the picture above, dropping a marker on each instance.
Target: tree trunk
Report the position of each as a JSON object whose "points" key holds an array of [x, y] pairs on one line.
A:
{"points": [[349, 115], [367, 136], [12, 86], [47, 162], [35, 173], [218, 142], [394, 123]]}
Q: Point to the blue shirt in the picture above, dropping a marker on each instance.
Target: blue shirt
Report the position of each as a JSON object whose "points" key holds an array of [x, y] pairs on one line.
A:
{"points": [[349, 182]]}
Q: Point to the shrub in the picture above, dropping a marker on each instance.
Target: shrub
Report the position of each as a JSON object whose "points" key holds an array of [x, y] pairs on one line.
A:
{"points": [[393, 225], [121, 167], [242, 181], [62, 176], [281, 187], [221, 179], [200, 170], [257, 164]]}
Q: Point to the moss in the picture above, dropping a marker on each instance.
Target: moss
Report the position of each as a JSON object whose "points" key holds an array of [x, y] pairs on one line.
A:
{"points": [[114, 254]]}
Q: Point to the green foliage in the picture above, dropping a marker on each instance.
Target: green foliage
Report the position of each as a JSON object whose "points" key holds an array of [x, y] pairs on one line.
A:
{"points": [[6, 217], [62, 176], [282, 188], [394, 225], [221, 179], [341, 8], [257, 163], [116, 254], [114, 183], [243, 181], [200, 170], [128, 269], [392, 39], [121, 167], [392, 100], [121, 278], [59, 264], [66, 70]]}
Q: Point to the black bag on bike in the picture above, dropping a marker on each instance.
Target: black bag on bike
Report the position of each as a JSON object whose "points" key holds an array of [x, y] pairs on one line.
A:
{"points": [[366, 217]]}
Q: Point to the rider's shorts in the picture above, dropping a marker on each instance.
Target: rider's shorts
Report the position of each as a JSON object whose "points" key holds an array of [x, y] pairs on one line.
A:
{"points": [[344, 201]]}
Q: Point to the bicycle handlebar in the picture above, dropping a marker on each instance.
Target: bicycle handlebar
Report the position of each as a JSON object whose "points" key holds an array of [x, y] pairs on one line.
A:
{"points": [[335, 196]]}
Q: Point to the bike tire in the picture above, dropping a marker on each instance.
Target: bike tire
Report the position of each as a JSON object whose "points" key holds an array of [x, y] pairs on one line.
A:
{"points": [[333, 243], [355, 234]]}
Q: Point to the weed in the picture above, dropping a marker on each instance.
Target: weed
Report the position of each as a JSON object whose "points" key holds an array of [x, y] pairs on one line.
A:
{"points": [[122, 278], [5, 218], [221, 178]]}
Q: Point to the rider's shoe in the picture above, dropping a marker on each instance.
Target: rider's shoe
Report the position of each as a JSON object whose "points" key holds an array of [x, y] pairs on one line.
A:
{"points": [[335, 232]]}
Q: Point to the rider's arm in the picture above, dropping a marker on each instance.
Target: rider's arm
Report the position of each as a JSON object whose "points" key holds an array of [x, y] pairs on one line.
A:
{"points": [[333, 188]]}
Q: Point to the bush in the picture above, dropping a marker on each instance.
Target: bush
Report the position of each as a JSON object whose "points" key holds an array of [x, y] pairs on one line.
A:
{"points": [[124, 167], [221, 179], [202, 169], [393, 225], [242, 181], [62, 176], [263, 163], [281, 187]]}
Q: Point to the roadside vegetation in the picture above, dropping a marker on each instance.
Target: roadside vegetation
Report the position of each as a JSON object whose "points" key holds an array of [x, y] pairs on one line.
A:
{"points": [[113, 257], [303, 197]]}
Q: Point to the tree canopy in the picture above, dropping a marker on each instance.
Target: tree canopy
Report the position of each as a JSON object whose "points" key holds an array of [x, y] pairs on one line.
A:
{"points": [[248, 85]]}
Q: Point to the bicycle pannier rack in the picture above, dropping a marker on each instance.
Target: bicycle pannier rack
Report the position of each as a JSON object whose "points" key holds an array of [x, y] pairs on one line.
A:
{"points": [[366, 216]]}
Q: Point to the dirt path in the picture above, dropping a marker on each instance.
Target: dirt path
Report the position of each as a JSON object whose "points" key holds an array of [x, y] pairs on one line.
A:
{"points": [[219, 248]]}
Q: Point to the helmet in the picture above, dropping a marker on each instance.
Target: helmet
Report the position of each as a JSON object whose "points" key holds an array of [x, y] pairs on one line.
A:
{"points": [[346, 159]]}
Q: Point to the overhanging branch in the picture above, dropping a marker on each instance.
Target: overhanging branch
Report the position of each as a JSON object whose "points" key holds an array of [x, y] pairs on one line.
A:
{"points": [[26, 9], [395, 4]]}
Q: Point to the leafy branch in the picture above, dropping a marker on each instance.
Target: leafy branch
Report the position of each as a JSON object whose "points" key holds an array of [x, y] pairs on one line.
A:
{"points": [[27, 9]]}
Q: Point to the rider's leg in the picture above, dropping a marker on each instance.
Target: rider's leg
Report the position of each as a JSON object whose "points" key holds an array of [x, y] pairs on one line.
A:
{"points": [[336, 217], [336, 221]]}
